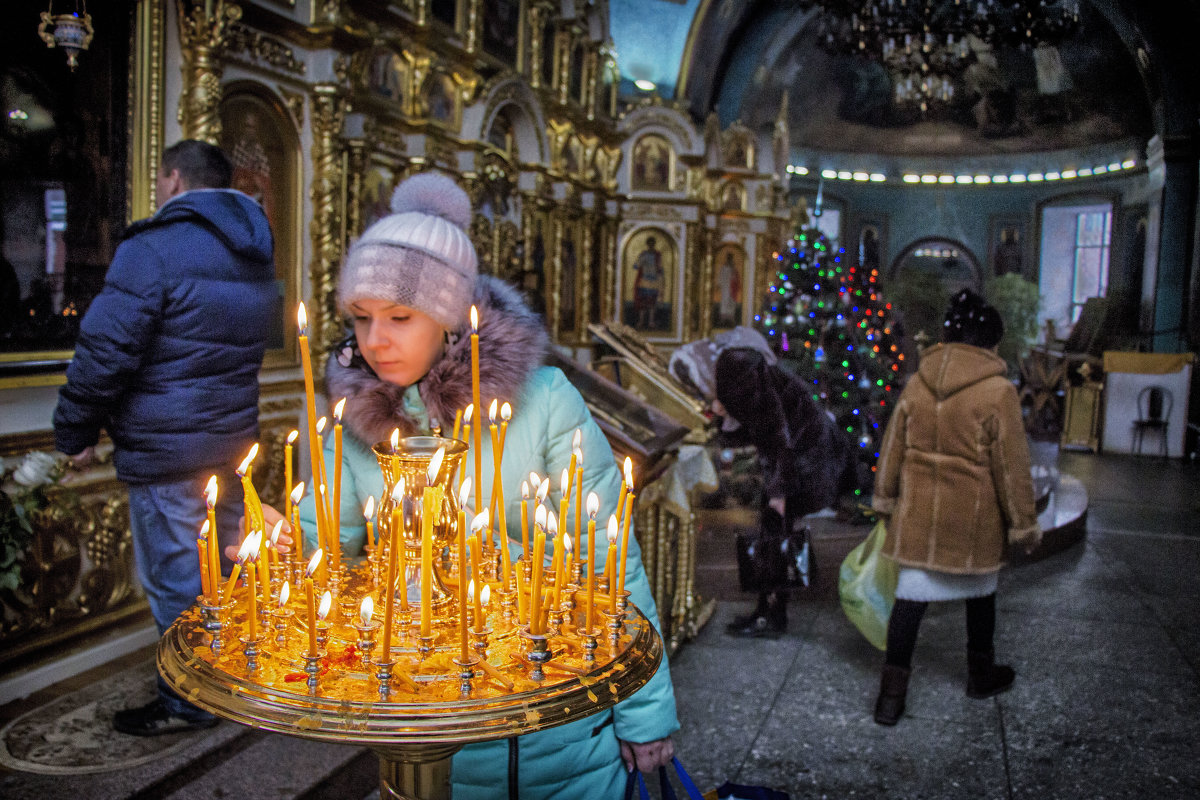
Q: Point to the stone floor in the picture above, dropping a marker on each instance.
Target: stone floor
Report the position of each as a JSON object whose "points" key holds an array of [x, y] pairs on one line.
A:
{"points": [[1104, 638]]}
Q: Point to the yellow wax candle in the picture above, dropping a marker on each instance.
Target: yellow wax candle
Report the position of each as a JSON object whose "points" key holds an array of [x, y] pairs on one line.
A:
{"points": [[498, 501], [610, 563], [494, 435], [473, 546], [395, 544], [314, 448], [325, 529], [368, 512], [205, 585], [214, 541], [431, 506], [273, 550], [252, 616], [629, 497], [287, 472], [464, 492], [535, 606], [576, 438], [476, 605], [593, 507], [625, 484], [458, 418], [264, 569], [564, 573], [243, 554], [564, 501], [525, 520], [297, 535], [336, 508], [579, 501], [522, 601], [311, 602], [323, 541], [477, 417]]}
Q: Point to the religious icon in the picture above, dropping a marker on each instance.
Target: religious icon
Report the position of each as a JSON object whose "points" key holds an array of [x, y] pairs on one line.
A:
{"points": [[728, 280], [649, 277], [651, 164]]}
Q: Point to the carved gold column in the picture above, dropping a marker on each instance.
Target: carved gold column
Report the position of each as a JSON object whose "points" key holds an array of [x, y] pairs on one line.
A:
{"points": [[609, 302], [537, 47], [471, 28], [563, 47], [554, 307], [584, 279], [693, 301], [709, 238], [356, 167], [591, 74], [147, 101], [328, 116], [203, 28]]}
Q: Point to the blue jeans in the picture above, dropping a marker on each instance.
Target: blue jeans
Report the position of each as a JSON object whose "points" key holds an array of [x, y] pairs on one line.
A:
{"points": [[165, 519]]}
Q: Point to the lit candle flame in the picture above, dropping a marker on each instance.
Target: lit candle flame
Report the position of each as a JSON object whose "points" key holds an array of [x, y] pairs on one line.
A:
{"points": [[524, 490], [313, 563], [298, 493], [471, 590], [593, 505], [564, 482], [398, 492], [435, 466], [293, 436], [326, 604], [568, 548], [506, 412], [366, 610], [576, 439], [485, 595], [369, 508], [492, 410], [302, 320], [321, 425], [612, 529], [629, 473], [395, 439], [210, 492], [535, 481], [254, 540], [244, 550], [578, 453], [551, 524], [539, 516], [204, 528], [464, 491], [337, 411], [543, 491], [480, 521], [474, 320], [245, 465], [284, 593], [274, 540], [468, 413]]}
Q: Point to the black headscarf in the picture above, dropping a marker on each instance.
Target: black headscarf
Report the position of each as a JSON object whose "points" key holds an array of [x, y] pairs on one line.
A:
{"points": [[970, 320]]}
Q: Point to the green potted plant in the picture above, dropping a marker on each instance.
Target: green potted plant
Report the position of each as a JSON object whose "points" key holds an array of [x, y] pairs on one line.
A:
{"points": [[26, 495], [1019, 303]]}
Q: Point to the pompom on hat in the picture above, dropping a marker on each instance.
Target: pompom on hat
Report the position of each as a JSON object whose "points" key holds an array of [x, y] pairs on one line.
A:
{"points": [[418, 256], [972, 321]]}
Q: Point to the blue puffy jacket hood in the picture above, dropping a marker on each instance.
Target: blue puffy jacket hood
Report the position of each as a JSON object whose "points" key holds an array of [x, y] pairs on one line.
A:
{"points": [[169, 352]]}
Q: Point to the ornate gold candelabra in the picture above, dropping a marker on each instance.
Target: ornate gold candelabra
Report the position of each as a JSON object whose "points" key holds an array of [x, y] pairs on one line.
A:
{"points": [[418, 700]]}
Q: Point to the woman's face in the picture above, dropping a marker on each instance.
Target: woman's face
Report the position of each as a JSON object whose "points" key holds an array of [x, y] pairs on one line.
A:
{"points": [[400, 343]]}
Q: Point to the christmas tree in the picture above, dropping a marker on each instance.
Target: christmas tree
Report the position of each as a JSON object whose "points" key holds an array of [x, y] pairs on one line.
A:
{"points": [[829, 324]]}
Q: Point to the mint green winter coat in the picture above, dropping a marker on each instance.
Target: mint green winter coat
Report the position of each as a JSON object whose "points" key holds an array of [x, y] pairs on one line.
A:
{"points": [[581, 759]]}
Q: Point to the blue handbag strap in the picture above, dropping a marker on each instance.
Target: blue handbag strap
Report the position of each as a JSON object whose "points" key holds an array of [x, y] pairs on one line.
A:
{"points": [[685, 780], [635, 779], [667, 790]]}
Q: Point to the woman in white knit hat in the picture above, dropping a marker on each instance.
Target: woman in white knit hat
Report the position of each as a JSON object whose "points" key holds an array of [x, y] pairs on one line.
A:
{"points": [[408, 284]]}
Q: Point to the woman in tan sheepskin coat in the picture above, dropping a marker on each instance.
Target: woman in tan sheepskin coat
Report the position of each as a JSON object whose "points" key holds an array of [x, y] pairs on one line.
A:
{"points": [[953, 479]]}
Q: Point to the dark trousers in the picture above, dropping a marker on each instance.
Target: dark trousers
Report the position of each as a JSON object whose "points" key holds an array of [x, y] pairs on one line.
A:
{"points": [[905, 623]]}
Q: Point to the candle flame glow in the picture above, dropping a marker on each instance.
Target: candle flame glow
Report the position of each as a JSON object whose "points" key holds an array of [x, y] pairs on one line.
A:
{"points": [[302, 320], [493, 410], [593, 505], [435, 465], [543, 491], [255, 542], [524, 490], [395, 439], [576, 439], [204, 529], [567, 546], [369, 508], [539, 516], [468, 413], [326, 604], [337, 411], [535, 481], [485, 595], [244, 550], [629, 473], [578, 453], [398, 492], [313, 563], [506, 412], [321, 425], [480, 522], [551, 524], [284, 593], [293, 436], [274, 540], [210, 492], [366, 610], [298, 493], [464, 491], [474, 320], [471, 590], [564, 482], [612, 529], [245, 465]]}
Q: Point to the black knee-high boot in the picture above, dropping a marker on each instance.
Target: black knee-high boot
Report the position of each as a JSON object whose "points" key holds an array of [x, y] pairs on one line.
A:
{"points": [[985, 677], [903, 625]]}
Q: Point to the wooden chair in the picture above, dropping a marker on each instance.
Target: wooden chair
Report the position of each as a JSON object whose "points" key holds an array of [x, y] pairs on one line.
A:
{"points": [[1154, 405]]}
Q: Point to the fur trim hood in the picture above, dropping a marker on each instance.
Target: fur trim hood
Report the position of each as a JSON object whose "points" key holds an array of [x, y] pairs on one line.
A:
{"points": [[512, 343]]}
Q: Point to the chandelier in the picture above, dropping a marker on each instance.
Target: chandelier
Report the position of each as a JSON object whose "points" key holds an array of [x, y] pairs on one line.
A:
{"points": [[926, 45]]}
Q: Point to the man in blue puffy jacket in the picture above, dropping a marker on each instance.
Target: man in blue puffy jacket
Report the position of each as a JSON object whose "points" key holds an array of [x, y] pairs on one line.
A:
{"points": [[167, 362]]}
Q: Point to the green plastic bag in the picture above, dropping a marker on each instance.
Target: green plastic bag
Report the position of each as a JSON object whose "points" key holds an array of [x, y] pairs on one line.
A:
{"points": [[867, 587]]}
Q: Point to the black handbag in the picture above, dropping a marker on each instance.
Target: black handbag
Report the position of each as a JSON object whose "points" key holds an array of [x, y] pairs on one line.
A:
{"points": [[777, 556]]}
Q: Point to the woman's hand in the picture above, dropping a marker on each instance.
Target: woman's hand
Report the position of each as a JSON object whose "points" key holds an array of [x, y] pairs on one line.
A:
{"points": [[270, 517], [647, 756]]}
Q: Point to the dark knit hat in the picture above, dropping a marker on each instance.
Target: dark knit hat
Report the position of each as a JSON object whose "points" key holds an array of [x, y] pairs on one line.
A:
{"points": [[972, 321], [420, 256]]}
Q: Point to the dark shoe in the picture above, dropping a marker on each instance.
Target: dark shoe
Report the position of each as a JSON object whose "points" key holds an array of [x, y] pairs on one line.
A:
{"points": [[985, 677], [153, 719], [893, 689], [769, 618]]}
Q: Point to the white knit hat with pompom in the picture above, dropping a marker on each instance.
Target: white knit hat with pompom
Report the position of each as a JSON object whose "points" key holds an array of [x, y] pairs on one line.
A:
{"points": [[418, 256]]}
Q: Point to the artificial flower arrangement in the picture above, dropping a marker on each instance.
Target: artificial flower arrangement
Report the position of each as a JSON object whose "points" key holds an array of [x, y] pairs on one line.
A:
{"points": [[26, 494]]}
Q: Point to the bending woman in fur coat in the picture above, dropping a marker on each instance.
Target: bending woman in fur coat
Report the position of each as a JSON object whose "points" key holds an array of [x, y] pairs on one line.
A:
{"points": [[953, 478], [408, 284]]}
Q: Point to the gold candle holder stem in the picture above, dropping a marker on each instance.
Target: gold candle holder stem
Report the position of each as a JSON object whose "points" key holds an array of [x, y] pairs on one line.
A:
{"points": [[366, 640], [383, 673], [590, 644], [322, 634], [312, 666], [481, 635], [538, 655], [250, 648], [424, 645], [466, 674], [281, 616]]}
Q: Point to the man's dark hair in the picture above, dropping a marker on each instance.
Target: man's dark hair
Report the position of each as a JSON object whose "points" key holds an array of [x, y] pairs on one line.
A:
{"points": [[200, 164]]}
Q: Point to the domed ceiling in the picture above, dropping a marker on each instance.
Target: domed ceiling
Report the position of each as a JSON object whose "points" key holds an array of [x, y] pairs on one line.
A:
{"points": [[746, 54]]}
